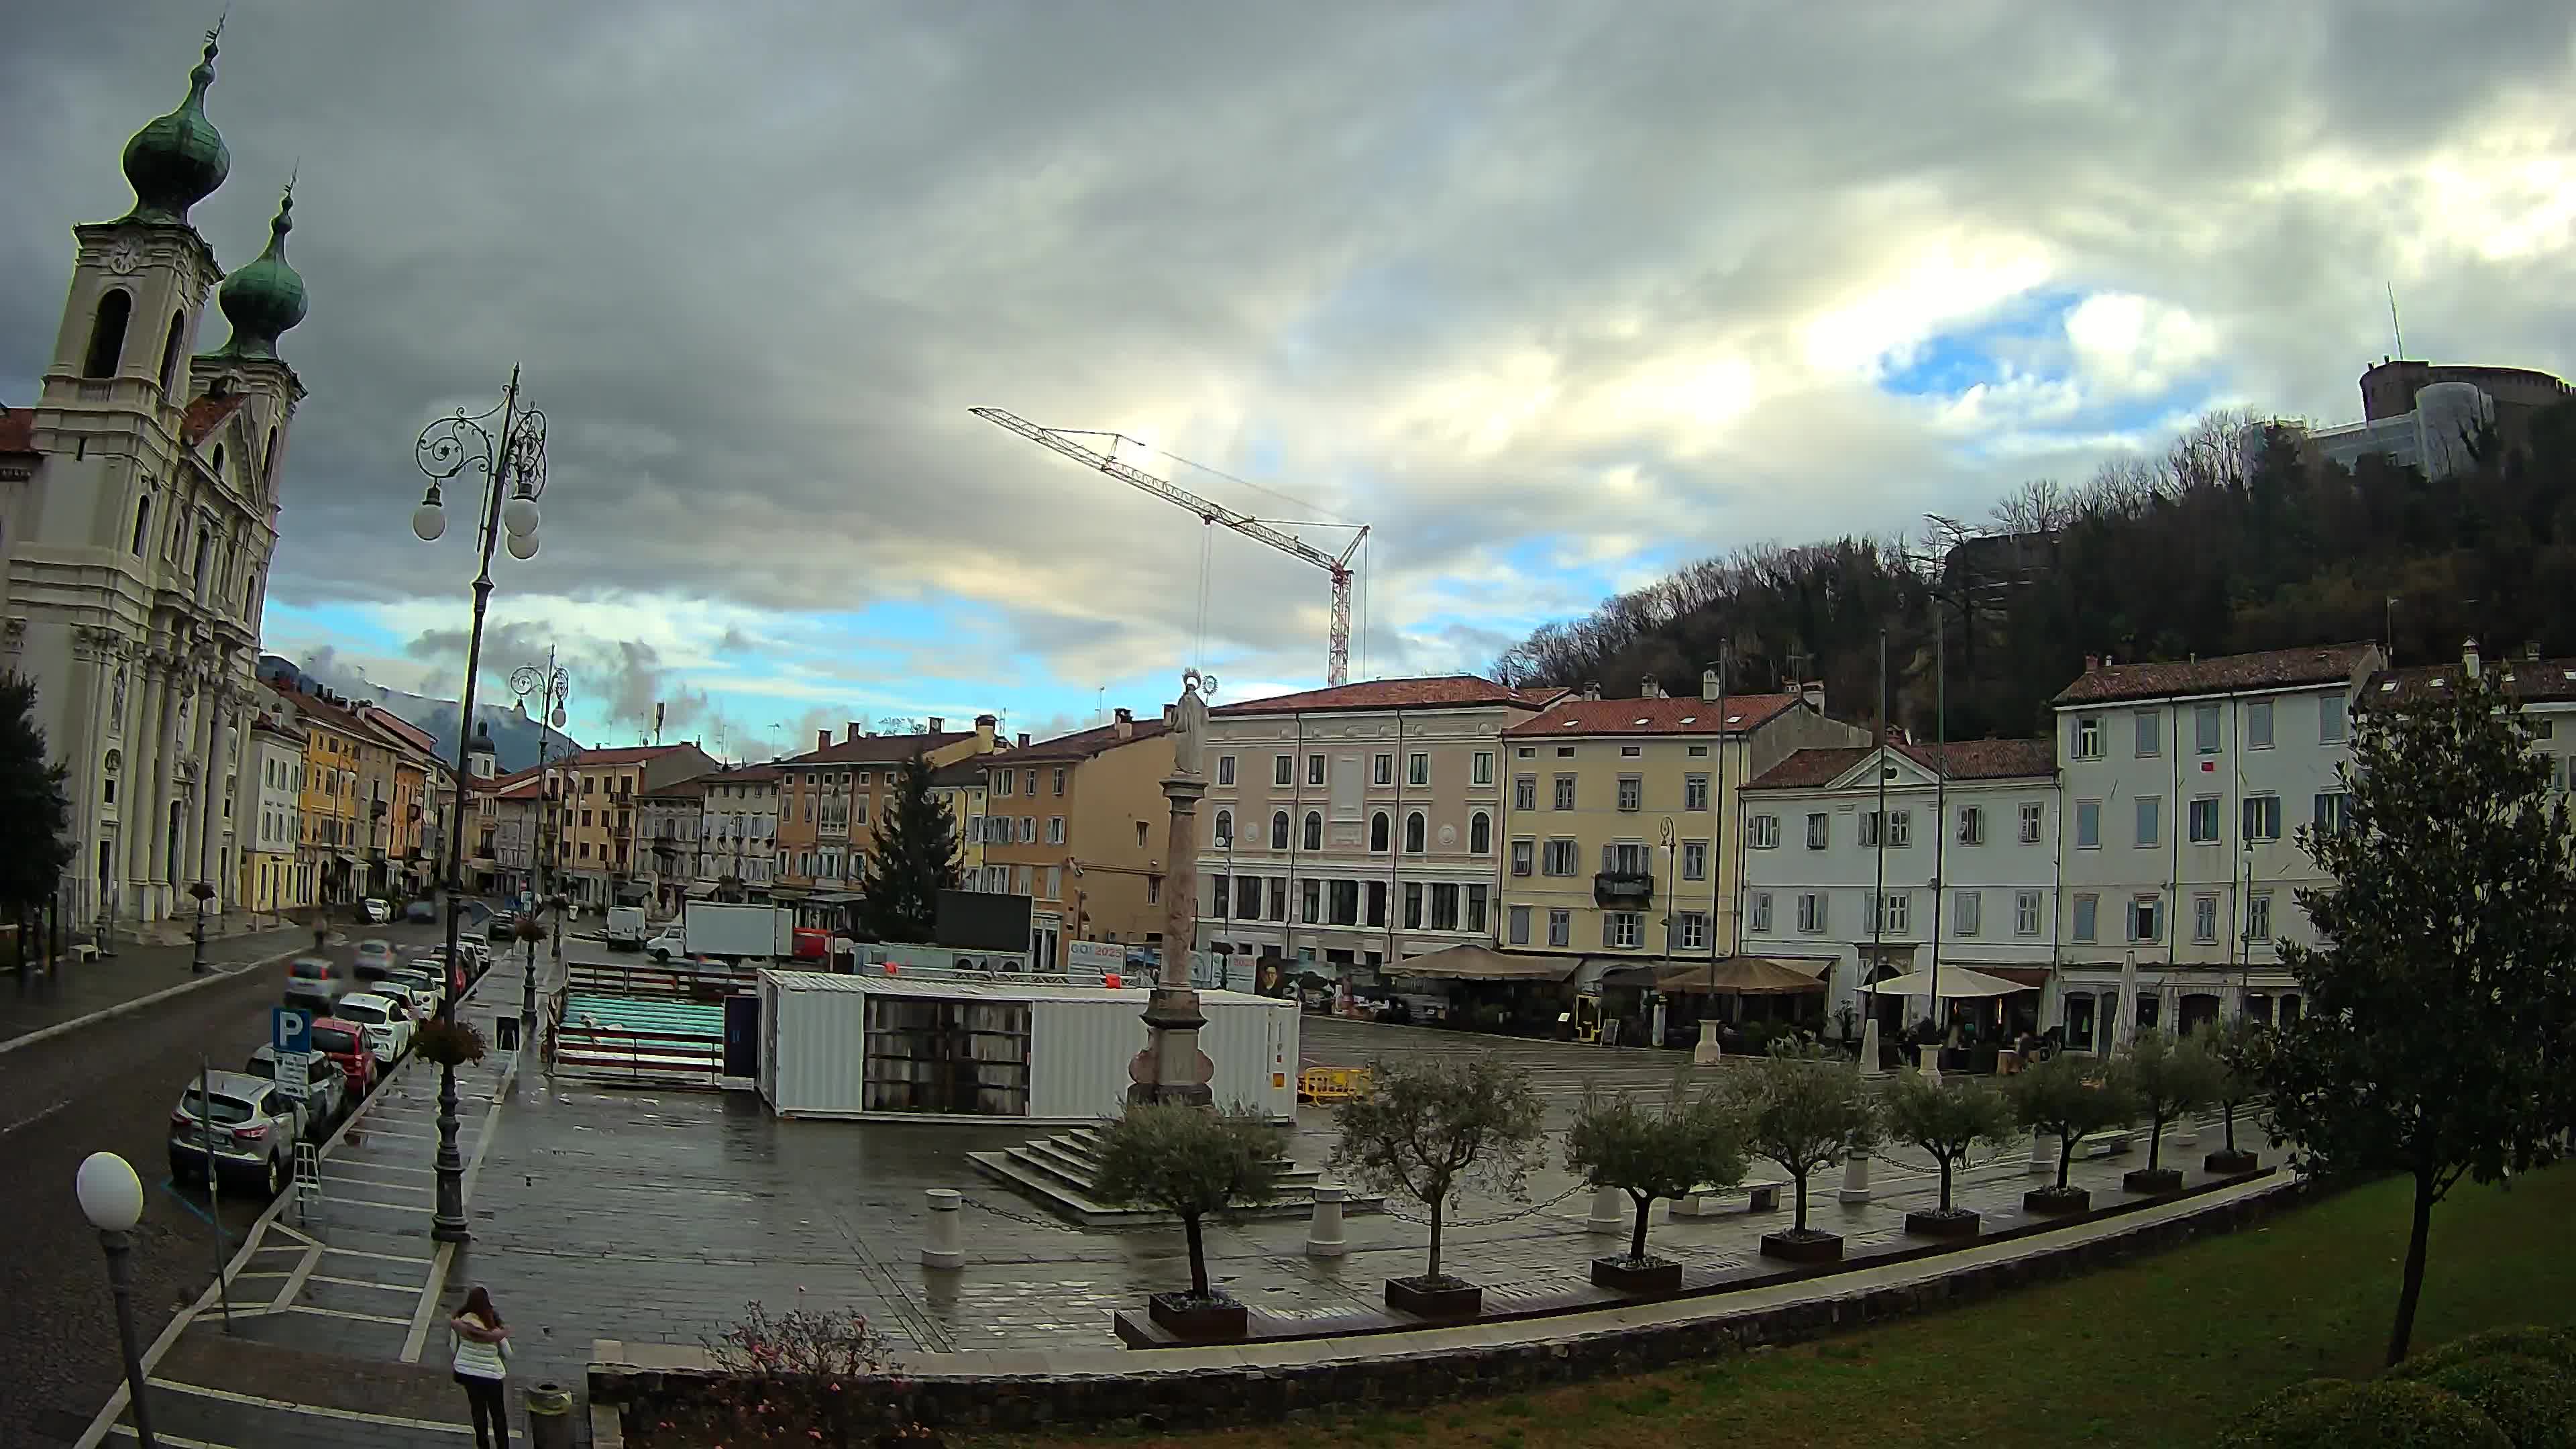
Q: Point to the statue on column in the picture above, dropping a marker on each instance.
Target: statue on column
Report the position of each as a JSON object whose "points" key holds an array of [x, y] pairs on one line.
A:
{"points": [[1189, 722]]}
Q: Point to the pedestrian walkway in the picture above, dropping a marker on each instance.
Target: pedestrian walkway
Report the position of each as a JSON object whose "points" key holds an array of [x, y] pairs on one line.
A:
{"points": [[36, 1000], [332, 1329]]}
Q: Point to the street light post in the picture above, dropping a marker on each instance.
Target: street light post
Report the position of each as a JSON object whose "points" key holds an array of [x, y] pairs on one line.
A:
{"points": [[513, 465], [111, 1197], [551, 686]]}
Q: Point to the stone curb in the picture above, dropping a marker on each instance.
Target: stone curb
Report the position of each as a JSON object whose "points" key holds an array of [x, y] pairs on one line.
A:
{"points": [[128, 1008]]}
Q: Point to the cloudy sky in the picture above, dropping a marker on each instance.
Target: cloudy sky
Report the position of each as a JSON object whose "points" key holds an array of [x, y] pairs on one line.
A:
{"points": [[1552, 296]]}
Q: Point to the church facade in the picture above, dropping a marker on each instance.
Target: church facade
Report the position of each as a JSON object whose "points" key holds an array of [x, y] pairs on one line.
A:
{"points": [[138, 517]]}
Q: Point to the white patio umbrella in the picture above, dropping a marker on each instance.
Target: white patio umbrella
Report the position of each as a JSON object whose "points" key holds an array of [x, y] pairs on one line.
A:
{"points": [[2124, 1028], [1958, 983]]}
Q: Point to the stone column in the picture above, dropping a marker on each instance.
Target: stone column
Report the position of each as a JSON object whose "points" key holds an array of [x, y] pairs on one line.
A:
{"points": [[207, 863], [165, 762], [142, 753], [1171, 1068]]}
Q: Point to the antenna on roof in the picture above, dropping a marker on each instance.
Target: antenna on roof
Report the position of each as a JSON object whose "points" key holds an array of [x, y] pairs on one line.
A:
{"points": [[2393, 327]]}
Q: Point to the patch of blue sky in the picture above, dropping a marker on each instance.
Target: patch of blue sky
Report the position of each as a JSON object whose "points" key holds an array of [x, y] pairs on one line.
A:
{"points": [[2024, 333], [354, 627]]}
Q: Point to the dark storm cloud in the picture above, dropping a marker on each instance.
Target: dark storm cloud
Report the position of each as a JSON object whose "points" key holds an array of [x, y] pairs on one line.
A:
{"points": [[1455, 263]]}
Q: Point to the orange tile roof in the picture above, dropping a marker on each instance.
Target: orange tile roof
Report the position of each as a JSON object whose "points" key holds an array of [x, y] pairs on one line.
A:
{"points": [[1967, 760], [17, 430], [621, 755], [2270, 669], [875, 749], [1692, 716], [206, 414], [1446, 691], [2525, 679], [1083, 744]]}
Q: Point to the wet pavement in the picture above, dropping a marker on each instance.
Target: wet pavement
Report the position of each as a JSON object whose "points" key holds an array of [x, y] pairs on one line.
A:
{"points": [[34, 1000], [645, 1216]]}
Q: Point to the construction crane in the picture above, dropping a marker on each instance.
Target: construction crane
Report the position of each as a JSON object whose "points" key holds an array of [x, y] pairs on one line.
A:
{"points": [[1336, 566]]}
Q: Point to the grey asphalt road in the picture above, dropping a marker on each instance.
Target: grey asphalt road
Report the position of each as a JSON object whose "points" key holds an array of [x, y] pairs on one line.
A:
{"points": [[110, 1086]]}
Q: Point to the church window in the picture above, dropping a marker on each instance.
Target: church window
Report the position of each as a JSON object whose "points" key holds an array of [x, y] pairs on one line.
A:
{"points": [[142, 522], [268, 462], [107, 334], [170, 351], [219, 461]]}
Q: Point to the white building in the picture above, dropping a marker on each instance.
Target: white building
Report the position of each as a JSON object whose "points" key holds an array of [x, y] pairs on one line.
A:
{"points": [[137, 507], [1351, 828], [738, 830], [2546, 689], [1961, 869], [273, 878], [2185, 783]]}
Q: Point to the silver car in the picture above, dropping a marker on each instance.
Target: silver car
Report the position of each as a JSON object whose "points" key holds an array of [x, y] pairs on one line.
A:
{"points": [[250, 1125]]}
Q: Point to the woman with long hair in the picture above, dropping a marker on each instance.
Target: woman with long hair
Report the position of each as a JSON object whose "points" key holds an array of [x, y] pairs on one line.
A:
{"points": [[481, 1345]]}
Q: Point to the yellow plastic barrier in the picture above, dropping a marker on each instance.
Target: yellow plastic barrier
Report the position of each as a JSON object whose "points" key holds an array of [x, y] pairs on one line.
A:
{"points": [[1334, 1084]]}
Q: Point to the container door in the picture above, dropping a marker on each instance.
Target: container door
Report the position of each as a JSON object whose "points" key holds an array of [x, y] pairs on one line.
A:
{"points": [[742, 1036]]}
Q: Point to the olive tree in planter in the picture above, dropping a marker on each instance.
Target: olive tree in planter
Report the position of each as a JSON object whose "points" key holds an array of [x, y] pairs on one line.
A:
{"points": [[1189, 1162], [1685, 1147], [1806, 1110], [1429, 1129], [1949, 1119], [2241, 1048], [2172, 1078], [2069, 1096]]}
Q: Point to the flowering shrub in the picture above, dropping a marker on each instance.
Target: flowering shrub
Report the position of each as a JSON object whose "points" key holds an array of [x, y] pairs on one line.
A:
{"points": [[809, 1376]]}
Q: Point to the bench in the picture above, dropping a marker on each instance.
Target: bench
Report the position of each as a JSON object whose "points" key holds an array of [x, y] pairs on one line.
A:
{"points": [[1763, 1197], [84, 953]]}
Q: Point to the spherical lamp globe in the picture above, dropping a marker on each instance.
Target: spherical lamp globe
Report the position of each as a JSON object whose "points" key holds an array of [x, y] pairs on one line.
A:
{"points": [[111, 1196]]}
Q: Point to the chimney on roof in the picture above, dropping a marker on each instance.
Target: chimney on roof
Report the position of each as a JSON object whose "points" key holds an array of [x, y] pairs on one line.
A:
{"points": [[853, 730], [2531, 649], [1125, 725], [1647, 688], [938, 725], [1813, 692], [1592, 689], [1024, 739], [2469, 657], [822, 739], [2092, 663], [1709, 688]]}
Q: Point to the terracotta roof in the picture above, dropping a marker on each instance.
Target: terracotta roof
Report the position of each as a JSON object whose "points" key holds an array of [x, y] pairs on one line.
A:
{"points": [[1083, 744], [2271, 669], [1966, 760], [1693, 716], [501, 783], [337, 717], [17, 430], [875, 749], [694, 787], [973, 770], [622, 755], [2525, 679], [1447, 691], [207, 414]]}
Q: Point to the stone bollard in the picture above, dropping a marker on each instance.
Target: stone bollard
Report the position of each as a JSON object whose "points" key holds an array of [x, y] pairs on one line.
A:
{"points": [[1869, 1048], [2043, 1156], [1708, 1053], [1609, 1211], [1855, 1187], [1324, 1237], [2187, 1131], [1928, 1061], [946, 1246], [549, 1409]]}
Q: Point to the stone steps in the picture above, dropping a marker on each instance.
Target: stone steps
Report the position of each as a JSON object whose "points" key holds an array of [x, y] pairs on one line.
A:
{"points": [[1060, 1173]]}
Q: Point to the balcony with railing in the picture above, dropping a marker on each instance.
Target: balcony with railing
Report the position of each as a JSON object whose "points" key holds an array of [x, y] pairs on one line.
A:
{"points": [[1625, 890]]}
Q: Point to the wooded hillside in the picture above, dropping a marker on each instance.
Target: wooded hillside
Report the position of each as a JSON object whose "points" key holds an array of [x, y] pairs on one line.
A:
{"points": [[2201, 551]]}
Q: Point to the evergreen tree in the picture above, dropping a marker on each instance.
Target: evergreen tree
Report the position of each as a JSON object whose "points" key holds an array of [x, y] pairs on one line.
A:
{"points": [[35, 814], [2440, 1010], [916, 859]]}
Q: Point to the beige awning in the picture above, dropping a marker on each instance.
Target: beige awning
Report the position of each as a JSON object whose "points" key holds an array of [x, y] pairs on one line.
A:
{"points": [[1742, 976], [1483, 963], [1957, 983]]}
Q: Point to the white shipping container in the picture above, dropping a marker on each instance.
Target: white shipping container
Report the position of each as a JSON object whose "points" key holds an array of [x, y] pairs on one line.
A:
{"points": [[892, 1048]]}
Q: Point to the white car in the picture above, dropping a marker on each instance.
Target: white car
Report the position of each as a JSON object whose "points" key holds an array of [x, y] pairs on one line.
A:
{"points": [[420, 1003], [673, 942], [387, 1025]]}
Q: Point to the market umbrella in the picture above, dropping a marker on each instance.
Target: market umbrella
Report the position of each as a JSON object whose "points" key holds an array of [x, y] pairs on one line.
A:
{"points": [[1958, 983], [2125, 1028]]}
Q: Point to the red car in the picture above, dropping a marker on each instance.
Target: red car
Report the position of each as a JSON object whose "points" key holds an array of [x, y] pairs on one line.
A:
{"points": [[345, 1042]]}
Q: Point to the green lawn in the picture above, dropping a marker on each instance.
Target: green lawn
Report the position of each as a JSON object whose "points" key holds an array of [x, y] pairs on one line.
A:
{"points": [[2159, 1352]]}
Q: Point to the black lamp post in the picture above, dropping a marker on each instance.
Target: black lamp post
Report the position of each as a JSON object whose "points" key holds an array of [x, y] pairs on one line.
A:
{"points": [[551, 687], [513, 464]]}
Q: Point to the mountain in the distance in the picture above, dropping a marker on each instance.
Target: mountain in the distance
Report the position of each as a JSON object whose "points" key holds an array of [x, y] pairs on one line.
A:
{"points": [[515, 735]]}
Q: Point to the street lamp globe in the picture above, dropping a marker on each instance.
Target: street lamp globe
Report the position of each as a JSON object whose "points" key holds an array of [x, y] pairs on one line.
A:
{"points": [[522, 545], [519, 516], [111, 1196], [429, 521]]}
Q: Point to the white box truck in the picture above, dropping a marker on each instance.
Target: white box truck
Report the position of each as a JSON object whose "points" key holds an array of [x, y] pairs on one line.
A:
{"points": [[625, 928], [738, 932]]}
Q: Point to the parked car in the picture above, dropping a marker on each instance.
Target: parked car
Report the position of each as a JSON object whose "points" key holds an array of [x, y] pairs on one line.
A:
{"points": [[422, 912], [388, 1027], [625, 928], [326, 1091], [502, 924], [417, 1004], [422, 982], [376, 910], [375, 957], [315, 984], [672, 942], [249, 1124], [345, 1043]]}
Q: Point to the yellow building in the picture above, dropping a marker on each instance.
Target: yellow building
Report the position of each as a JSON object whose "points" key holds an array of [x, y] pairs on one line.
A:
{"points": [[330, 837], [1079, 825], [832, 798], [961, 789], [597, 860], [1615, 817]]}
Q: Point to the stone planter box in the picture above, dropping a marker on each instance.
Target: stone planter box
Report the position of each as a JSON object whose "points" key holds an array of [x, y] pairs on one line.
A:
{"points": [[1216, 1320], [1814, 1247], [1435, 1297], [1934, 1223], [2057, 1200], [1622, 1275], [2230, 1163], [2152, 1179]]}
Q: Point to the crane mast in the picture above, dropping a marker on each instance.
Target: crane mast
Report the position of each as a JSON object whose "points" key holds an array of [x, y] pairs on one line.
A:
{"points": [[1337, 567]]}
